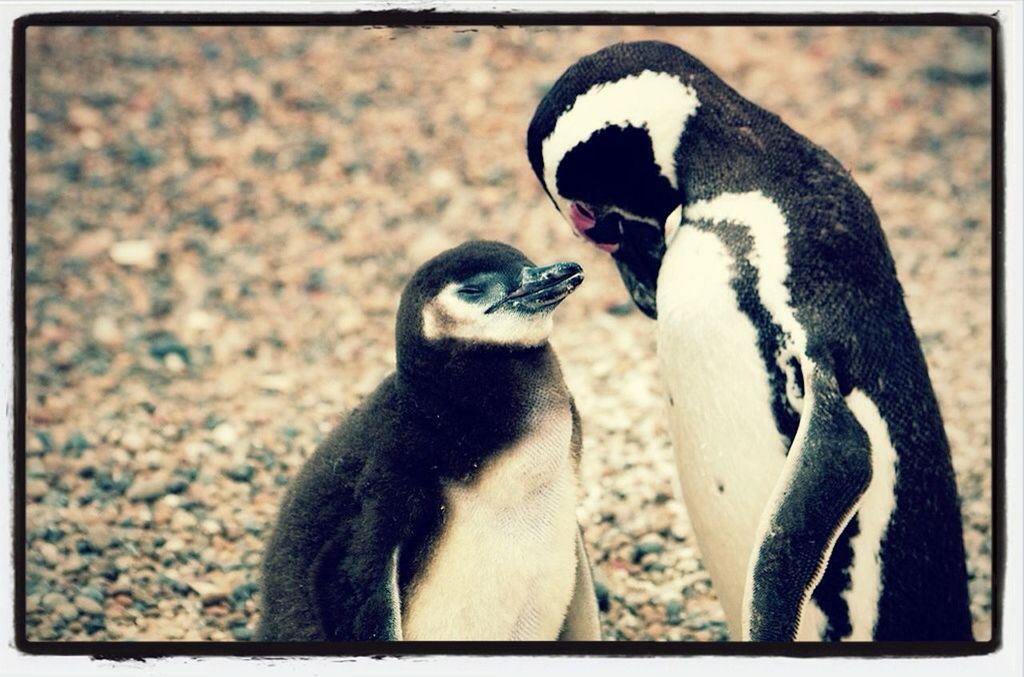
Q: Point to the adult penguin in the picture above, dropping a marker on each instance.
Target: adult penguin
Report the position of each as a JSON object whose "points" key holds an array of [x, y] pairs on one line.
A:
{"points": [[809, 444]]}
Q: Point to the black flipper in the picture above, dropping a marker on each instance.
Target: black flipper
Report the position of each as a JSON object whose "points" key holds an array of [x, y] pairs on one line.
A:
{"points": [[357, 607], [827, 471]]}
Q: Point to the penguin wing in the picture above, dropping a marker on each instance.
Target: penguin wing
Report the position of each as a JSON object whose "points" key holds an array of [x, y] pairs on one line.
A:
{"points": [[827, 470], [356, 590], [581, 620]]}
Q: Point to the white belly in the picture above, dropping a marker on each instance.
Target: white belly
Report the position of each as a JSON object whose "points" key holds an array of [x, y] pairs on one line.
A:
{"points": [[504, 565], [728, 449]]}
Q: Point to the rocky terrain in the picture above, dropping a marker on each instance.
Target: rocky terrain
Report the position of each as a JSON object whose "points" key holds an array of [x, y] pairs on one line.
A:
{"points": [[220, 221]]}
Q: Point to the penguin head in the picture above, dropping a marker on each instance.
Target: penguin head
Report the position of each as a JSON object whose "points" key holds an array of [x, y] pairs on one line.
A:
{"points": [[483, 294], [605, 142]]}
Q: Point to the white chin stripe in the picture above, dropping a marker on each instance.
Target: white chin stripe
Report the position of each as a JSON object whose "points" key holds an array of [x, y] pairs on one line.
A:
{"points": [[672, 223], [448, 316], [658, 102]]}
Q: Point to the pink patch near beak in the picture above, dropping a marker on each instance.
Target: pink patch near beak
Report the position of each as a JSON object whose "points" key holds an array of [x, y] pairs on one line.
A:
{"points": [[583, 220]]}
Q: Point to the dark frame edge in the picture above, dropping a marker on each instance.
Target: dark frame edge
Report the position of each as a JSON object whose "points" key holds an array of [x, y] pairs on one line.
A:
{"points": [[429, 17], [119, 651], [18, 310], [998, 412]]}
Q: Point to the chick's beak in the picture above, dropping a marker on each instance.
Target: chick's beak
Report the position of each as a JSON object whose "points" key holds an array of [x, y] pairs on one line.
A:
{"points": [[542, 287]]}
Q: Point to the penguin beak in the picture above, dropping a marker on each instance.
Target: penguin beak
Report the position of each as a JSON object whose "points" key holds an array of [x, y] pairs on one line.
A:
{"points": [[639, 262], [542, 288]]}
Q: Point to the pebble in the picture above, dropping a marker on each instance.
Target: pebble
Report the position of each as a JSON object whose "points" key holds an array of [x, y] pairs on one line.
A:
{"points": [[242, 473], [67, 611], [210, 593], [649, 545], [106, 331], [225, 435], [196, 451], [135, 254], [133, 441], [182, 520], [242, 633], [49, 553], [36, 488], [175, 363], [88, 605], [211, 527], [147, 490], [52, 600]]}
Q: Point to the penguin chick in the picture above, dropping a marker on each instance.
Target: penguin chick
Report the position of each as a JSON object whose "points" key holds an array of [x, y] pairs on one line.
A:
{"points": [[809, 443], [443, 508]]}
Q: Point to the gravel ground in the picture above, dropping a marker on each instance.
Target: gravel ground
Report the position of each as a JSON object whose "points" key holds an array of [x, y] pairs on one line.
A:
{"points": [[219, 224]]}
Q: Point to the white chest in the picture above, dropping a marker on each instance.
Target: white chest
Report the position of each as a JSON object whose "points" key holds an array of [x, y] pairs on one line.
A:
{"points": [[504, 565], [728, 450]]}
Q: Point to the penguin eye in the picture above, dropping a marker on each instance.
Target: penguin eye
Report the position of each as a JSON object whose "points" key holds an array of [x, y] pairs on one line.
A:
{"points": [[471, 291]]}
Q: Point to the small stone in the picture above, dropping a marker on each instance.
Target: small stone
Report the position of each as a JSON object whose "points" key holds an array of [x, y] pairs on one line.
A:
{"points": [[211, 527], [35, 468], [183, 520], [85, 117], [442, 180], [225, 435], [674, 611], [94, 593], [242, 473], [175, 363], [174, 545], [36, 488], [648, 546], [88, 605], [135, 254], [147, 490], [691, 580], [52, 600], [210, 593], [199, 321], [106, 331], [90, 138], [66, 611], [101, 538], [602, 594], [133, 441], [196, 451], [72, 563], [276, 382], [242, 633], [49, 553]]}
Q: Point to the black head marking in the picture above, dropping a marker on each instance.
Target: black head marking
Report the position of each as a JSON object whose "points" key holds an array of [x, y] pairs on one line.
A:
{"points": [[616, 167], [607, 65]]}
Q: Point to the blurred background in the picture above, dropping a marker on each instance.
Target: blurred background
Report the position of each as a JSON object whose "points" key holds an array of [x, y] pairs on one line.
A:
{"points": [[220, 221]]}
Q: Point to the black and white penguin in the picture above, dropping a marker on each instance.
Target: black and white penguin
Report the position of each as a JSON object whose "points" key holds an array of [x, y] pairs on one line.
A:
{"points": [[444, 507], [810, 449]]}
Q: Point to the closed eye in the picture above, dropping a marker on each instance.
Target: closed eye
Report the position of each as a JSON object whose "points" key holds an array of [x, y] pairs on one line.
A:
{"points": [[471, 291]]}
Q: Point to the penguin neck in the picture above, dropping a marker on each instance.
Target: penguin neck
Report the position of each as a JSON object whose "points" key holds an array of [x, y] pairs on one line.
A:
{"points": [[478, 400], [727, 148]]}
